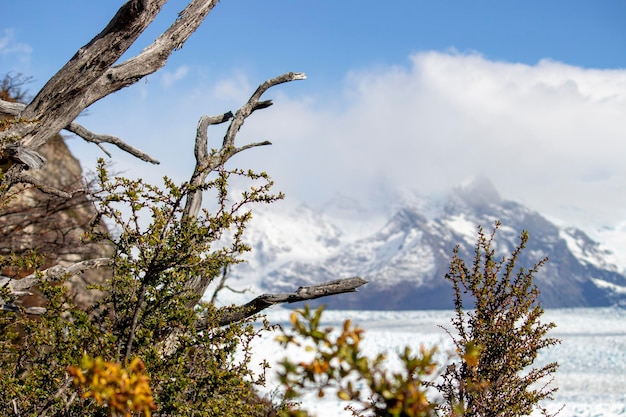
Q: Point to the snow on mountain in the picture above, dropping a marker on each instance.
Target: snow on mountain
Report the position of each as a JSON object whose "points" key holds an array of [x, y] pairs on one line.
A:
{"points": [[614, 242], [588, 251], [284, 232], [394, 253], [406, 258]]}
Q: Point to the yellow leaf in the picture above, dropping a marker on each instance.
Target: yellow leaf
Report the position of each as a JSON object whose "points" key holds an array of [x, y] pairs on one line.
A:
{"points": [[343, 395], [472, 354]]}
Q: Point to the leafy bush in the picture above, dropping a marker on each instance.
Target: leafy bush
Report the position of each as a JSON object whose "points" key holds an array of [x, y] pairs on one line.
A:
{"points": [[491, 372], [145, 326], [338, 361], [503, 332]]}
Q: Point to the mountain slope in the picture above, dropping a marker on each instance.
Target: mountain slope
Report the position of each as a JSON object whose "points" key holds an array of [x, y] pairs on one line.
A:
{"points": [[407, 258]]}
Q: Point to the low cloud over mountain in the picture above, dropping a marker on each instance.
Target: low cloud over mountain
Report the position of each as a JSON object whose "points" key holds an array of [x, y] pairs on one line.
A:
{"points": [[406, 258]]}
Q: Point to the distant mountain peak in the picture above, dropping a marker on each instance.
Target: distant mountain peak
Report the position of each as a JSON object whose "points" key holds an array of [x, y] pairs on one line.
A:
{"points": [[478, 191], [406, 258], [405, 251]]}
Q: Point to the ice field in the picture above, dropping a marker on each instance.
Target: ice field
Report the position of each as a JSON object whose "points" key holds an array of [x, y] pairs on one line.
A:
{"points": [[592, 356]]}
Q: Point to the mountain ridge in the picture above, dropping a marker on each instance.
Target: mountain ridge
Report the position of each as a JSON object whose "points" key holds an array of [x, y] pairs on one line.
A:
{"points": [[406, 258]]}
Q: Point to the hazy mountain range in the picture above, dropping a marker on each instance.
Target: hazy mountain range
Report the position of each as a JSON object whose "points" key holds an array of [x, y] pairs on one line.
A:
{"points": [[406, 254]]}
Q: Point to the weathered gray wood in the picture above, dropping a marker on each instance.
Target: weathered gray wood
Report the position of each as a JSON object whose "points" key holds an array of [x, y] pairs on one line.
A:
{"points": [[208, 162], [229, 315], [17, 309], [19, 154], [21, 287], [340, 286], [14, 109], [17, 177], [205, 162], [8, 107], [98, 139], [92, 73], [53, 273]]}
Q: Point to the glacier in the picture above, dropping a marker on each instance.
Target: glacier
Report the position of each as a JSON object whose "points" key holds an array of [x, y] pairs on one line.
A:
{"points": [[591, 378]]}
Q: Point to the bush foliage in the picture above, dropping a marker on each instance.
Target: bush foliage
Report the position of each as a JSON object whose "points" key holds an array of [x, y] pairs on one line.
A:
{"points": [[490, 374], [144, 327], [502, 331]]}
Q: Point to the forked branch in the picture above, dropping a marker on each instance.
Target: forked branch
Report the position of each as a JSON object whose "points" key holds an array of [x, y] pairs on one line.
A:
{"points": [[14, 177], [14, 109], [93, 73], [207, 162], [99, 139]]}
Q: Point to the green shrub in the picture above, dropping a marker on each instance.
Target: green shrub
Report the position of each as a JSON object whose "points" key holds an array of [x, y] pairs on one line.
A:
{"points": [[148, 313], [491, 372], [502, 331], [339, 360]]}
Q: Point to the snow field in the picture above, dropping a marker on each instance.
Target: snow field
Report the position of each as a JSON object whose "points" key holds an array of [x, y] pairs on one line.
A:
{"points": [[592, 356]]}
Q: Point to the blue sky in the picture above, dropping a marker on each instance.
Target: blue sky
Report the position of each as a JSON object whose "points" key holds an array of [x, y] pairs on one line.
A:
{"points": [[327, 39], [409, 94]]}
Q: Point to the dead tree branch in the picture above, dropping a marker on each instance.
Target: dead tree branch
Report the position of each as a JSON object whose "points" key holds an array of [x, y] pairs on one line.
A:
{"points": [[24, 157], [92, 73], [230, 315], [21, 287], [16, 177], [14, 109], [14, 308], [98, 139], [54, 273], [207, 162], [9, 107]]}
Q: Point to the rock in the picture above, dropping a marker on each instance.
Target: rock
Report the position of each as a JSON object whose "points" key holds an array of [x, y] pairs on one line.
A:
{"points": [[54, 226]]}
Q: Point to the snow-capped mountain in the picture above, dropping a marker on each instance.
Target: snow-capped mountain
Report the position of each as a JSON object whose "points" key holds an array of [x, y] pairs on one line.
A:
{"points": [[406, 258]]}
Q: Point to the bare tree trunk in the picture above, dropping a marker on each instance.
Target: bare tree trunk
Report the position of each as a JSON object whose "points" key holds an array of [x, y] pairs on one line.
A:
{"points": [[92, 73]]}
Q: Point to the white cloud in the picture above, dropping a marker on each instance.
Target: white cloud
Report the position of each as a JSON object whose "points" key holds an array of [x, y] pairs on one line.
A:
{"points": [[9, 47], [549, 135], [168, 78]]}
